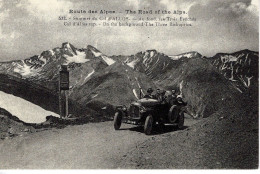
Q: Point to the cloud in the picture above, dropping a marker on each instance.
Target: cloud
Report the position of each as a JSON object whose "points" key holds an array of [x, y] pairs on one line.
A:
{"points": [[138, 4], [28, 27], [134, 3], [177, 5], [46, 10]]}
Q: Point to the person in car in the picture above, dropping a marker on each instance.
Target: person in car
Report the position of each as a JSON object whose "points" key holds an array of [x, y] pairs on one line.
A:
{"points": [[163, 97], [180, 102], [149, 94], [158, 94], [174, 95]]}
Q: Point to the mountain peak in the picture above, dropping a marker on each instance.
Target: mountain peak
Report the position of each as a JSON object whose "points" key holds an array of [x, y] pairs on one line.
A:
{"points": [[152, 50], [69, 48], [66, 45], [90, 47]]}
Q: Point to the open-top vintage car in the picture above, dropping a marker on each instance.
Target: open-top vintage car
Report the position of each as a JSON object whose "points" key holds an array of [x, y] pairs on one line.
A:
{"points": [[149, 112]]}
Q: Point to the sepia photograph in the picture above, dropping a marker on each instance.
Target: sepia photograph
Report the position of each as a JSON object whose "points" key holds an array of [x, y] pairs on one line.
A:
{"points": [[129, 84]]}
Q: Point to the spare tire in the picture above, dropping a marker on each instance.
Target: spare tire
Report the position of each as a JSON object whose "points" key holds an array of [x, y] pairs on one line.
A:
{"points": [[173, 114], [117, 120]]}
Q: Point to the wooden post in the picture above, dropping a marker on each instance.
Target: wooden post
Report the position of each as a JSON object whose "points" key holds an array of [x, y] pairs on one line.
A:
{"points": [[66, 104], [63, 87], [63, 104]]}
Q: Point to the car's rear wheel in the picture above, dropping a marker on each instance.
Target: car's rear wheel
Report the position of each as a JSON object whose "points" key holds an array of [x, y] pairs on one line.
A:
{"points": [[117, 120], [148, 126], [181, 120]]}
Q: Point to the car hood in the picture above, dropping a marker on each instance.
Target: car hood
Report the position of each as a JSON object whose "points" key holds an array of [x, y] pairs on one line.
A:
{"points": [[146, 102]]}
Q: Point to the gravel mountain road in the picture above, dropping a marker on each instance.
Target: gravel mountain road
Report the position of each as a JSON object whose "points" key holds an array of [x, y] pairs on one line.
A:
{"points": [[89, 146]]}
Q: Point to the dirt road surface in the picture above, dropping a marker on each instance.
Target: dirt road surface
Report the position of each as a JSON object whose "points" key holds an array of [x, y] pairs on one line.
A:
{"points": [[93, 145]]}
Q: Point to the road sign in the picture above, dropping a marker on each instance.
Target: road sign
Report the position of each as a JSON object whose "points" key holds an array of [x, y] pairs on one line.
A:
{"points": [[64, 78]]}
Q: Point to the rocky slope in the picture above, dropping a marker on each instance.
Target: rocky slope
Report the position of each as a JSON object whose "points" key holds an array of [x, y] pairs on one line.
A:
{"points": [[240, 67], [100, 82], [11, 126], [117, 84]]}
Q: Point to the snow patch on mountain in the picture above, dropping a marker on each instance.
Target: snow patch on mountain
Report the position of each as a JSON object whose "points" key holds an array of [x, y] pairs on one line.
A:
{"points": [[96, 53], [108, 60], [187, 55], [153, 66], [89, 75], [24, 69], [152, 53], [94, 96], [146, 56], [79, 57], [43, 59], [229, 58], [52, 52], [23, 109], [132, 63]]}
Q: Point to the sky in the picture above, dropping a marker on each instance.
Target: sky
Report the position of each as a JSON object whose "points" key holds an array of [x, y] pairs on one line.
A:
{"points": [[28, 27]]}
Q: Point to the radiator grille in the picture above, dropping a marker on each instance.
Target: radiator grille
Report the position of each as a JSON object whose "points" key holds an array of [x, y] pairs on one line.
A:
{"points": [[134, 111]]}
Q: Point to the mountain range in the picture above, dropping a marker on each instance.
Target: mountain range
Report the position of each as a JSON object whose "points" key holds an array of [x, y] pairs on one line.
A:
{"points": [[99, 82]]}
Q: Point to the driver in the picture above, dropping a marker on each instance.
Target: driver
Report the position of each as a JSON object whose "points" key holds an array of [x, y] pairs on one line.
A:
{"points": [[149, 94]]}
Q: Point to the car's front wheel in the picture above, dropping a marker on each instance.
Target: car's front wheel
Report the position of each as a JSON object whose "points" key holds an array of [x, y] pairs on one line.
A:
{"points": [[148, 126], [117, 120]]}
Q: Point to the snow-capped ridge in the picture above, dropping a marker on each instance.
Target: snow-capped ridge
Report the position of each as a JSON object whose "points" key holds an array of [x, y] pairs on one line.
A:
{"points": [[97, 53], [189, 55]]}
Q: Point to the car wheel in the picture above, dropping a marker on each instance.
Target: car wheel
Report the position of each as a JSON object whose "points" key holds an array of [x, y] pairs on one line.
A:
{"points": [[117, 120], [173, 114], [181, 120], [148, 126]]}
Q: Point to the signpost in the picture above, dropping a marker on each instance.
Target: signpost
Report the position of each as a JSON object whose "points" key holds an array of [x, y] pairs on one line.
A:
{"points": [[63, 88]]}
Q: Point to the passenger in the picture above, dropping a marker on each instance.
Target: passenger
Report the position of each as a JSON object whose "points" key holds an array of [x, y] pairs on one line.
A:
{"points": [[149, 94], [158, 94], [168, 96], [171, 97], [163, 97], [180, 102], [174, 96]]}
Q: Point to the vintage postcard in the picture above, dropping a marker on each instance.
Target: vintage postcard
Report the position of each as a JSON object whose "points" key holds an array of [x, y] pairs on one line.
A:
{"points": [[129, 84]]}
